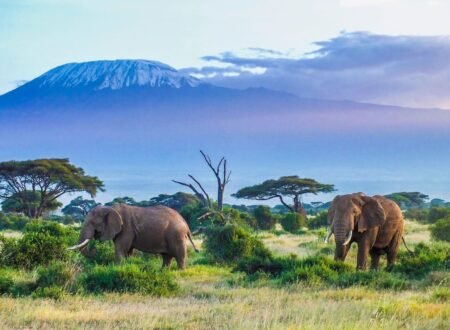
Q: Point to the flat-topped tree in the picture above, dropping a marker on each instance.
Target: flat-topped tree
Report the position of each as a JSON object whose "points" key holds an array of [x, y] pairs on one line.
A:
{"points": [[48, 179], [408, 200], [285, 187], [79, 207]]}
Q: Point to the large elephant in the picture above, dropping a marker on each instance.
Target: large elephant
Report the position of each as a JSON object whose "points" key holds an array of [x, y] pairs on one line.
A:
{"points": [[156, 229], [374, 223]]}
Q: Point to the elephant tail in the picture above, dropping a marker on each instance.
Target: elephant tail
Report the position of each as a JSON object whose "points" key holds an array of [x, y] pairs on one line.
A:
{"points": [[406, 246], [192, 242]]}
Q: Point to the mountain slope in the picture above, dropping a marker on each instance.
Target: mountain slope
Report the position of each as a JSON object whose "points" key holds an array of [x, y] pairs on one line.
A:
{"points": [[98, 75], [143, 118]]}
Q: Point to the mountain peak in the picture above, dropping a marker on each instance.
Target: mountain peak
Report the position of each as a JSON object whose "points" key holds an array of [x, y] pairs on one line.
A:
{"points": [[114, 75]]}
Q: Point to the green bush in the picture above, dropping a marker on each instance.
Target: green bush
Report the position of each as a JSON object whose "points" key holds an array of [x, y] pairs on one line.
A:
{"points": [[56, 274], [13, 221], [128, 277], [438, 213], [441, 230], [319, 221], [41, 243], [420, 215], [6, 282], [230, 243], [320, 270], [264, 218], [104, 253], [51, 292], [191, 213], [249, 220], [292, 222], [426, 258]]}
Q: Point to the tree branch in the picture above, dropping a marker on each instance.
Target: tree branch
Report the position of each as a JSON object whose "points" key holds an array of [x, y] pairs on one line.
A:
{"points": [[196, 192], [203, 190]]}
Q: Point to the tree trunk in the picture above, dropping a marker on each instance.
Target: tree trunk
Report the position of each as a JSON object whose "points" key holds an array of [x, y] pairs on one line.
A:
{"points": [[219, 198], [298, 206]]}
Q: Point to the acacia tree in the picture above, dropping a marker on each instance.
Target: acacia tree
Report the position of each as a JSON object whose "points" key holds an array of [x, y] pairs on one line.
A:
{"points": [[15, 204], [407, 200], [79, 207], [47, 178], [287, 186], [222, 176]]}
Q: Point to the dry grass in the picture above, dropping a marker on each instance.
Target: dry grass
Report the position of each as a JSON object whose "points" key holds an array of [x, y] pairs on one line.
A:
{"points": [[222, 307]]}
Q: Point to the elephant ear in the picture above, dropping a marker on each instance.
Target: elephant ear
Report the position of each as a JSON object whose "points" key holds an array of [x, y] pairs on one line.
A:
{"points": [[372, 214], [112, 224]]}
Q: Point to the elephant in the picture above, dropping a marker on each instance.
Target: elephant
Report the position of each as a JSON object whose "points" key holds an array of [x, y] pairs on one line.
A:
{"points": [[155, 229], [374, 223]]}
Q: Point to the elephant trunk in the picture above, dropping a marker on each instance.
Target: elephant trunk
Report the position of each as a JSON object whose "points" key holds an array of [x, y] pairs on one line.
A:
{"points": [[341, 252], [342, 234], [87, 234]]}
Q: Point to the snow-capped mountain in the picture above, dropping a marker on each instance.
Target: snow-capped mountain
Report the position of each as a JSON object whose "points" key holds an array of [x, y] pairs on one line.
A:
{"points": [[114, 75], [133, 115]]}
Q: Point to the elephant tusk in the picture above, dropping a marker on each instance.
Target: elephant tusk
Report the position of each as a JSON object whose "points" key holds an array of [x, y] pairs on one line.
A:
{"points": [[79, 246], [329, 233], [349, 238]]}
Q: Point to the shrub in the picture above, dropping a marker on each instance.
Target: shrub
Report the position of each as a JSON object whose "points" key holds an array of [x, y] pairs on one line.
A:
{"points": [[230, 243], [41, 243], [441, 230], [249, 220], [323, 270], [104, 253], [264, 218], [13, 221], [292, 222], [128, 277], [426, 258], [51, 292], [38, 249], [320, 220], [420, 215], [191, 213], [6, 282], [56, 274], [437, 213]]}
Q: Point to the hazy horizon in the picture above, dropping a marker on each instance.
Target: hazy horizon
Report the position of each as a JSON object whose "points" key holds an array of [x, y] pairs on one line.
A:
{"points": [[370, 51]]}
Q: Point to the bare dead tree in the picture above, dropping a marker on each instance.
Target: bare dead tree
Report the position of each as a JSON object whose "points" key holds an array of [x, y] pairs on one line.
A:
{"points": [[222, 176], [222, 181]]}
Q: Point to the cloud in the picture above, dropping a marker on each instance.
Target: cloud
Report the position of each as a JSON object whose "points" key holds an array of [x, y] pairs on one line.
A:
{"points": [[360, 66]]}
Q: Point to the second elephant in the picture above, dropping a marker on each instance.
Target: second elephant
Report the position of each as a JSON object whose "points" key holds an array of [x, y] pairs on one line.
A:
{"points": [[374, 223]]}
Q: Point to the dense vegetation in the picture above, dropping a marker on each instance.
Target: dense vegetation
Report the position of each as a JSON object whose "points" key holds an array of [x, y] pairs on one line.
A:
{"points": [[255, 253]]}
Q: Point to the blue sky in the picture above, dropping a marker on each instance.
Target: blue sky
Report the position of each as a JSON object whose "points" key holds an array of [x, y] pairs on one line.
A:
{"points": [[37, 35], [382, 51]]}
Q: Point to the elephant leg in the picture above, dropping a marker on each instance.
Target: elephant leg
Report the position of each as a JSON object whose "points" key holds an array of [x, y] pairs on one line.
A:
{"points": [[130, 252], [119, 255], [167, 259], [365, 244], [122, 248], [180, 255], [375, 257], [393, 249]]}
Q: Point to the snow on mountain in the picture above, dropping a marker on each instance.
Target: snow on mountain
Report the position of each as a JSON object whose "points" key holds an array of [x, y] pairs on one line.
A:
{"points": [[115, 75]]}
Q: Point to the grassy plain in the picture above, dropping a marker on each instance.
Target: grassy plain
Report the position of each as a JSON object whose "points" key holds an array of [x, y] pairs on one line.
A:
{"points": [[214, 297]]}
